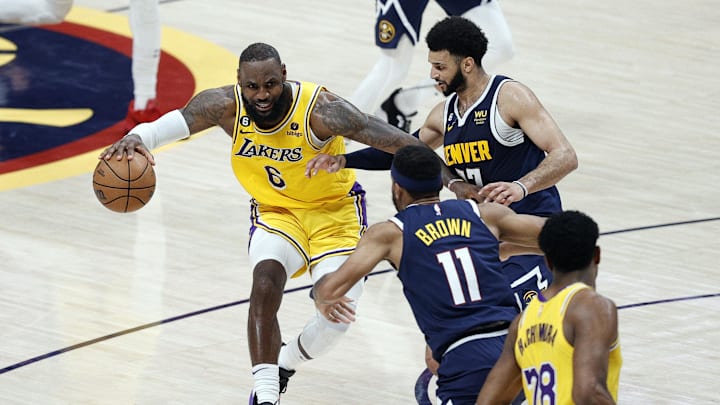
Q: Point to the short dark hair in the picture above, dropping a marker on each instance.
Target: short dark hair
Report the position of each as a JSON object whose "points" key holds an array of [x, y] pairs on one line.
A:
{"points": [[259, 52], [418, 162], [568, 240], [459, 36]]}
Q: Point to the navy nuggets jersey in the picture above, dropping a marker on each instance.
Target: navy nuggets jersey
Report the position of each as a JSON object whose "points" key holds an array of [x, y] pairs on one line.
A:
{"points": [[450, 272], [483, 149]]}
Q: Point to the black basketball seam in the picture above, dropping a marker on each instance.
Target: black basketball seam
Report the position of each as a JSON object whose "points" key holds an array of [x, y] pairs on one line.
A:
{"points": [[111, 170], [144, 203], [142, 173], [139, 199], [122, 188], [127, 189]]}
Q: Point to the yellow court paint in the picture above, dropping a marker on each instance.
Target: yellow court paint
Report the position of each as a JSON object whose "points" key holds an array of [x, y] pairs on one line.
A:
{"points": [[6, 47], [50, 117]]}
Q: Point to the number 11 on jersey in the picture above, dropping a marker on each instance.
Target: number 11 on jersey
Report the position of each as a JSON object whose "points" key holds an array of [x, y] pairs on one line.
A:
{"points": [[451, 272]]}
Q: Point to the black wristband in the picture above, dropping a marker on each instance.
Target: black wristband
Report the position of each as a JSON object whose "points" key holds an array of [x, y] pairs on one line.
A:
{"points": [[369, 159]]}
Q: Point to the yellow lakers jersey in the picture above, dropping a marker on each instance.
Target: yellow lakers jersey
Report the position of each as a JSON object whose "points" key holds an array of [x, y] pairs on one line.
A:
{"points": [[545, 356], [270, 163]]}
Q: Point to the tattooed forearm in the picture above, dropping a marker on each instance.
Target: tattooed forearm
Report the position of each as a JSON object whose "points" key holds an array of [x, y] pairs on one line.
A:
{"points": [[339, 116], [382, 135], [207, 108]]}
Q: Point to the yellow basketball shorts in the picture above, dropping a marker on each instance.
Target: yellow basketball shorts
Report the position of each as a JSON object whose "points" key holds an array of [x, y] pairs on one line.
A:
{"points": [[325, 230]]}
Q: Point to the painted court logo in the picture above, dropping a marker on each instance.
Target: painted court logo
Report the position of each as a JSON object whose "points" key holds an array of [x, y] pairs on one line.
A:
{"points": [[65, 88], [66, 91]]}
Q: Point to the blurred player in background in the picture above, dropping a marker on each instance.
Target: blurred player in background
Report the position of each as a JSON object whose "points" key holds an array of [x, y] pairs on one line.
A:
{"points": [[397, 31], [145, 26]]}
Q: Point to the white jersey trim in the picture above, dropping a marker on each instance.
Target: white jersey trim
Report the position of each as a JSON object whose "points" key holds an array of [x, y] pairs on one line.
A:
{"points": [[397, 222], [474, 207], [315, 142], [502, 132], [475, 337], [464, 117]]}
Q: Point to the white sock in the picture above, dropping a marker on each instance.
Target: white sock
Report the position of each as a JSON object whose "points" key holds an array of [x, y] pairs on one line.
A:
{"points": [[291, 356], [267, 382], [145, 27]]}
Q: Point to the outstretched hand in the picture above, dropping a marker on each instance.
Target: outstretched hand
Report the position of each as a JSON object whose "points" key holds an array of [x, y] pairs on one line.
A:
{"points": [[323, 161], [127, 145], [337, 312]]}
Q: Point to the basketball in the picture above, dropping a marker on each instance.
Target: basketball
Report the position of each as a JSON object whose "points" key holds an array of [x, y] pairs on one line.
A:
{"points": [[124, 185]]}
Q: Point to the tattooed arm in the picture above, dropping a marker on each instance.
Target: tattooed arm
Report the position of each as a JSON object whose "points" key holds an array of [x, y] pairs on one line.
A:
{"points": [[333, 115], [209, 108]]}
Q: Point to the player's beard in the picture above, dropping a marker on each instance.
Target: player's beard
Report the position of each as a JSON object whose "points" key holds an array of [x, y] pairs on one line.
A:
{"points": [[457, 82], [396, 202], [270, 119]]}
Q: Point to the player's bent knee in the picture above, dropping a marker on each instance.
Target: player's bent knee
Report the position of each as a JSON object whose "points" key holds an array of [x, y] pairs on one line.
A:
{"points": [[331, 264]]}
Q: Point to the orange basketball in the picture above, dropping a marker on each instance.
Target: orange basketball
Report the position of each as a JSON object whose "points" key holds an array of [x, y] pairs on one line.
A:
{"points": [[124, 185]]}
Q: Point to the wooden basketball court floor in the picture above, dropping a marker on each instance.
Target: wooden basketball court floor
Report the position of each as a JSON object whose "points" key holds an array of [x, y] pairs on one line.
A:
{"points": [[150, 307]]}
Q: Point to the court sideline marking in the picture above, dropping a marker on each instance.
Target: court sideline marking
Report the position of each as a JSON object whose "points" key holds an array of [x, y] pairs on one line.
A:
{"points": [[291, 290]]}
